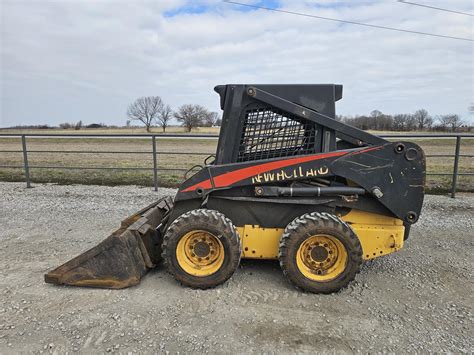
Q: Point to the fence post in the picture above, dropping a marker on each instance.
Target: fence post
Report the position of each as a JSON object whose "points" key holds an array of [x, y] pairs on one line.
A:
{"points": [[455, 167], [25, 161], [155, 172]]}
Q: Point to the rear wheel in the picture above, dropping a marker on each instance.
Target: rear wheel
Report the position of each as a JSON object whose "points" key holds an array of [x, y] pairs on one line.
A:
{"points": [[320, 253], [201, 248]]}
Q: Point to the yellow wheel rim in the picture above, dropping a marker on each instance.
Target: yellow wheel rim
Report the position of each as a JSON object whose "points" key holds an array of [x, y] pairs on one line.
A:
{"points": [[321, 258], [200, 253]]}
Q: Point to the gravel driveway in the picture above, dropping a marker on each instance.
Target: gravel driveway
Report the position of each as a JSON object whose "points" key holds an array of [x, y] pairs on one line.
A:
{"points": [[420, 299]]}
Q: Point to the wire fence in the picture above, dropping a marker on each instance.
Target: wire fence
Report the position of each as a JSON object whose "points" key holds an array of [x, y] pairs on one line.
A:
{"points": [[154, 153]]}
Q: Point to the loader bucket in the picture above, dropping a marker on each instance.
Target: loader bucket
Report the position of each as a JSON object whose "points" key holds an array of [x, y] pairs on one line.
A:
{"points": [[123, 258]]}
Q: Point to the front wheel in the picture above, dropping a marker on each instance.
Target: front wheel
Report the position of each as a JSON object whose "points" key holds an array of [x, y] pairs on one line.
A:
{"points": [[320, 253], [201, 248]]}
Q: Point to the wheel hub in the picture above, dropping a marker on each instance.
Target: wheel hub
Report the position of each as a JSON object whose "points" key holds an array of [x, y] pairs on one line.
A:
{"points": [[321, 257], [200, 253], [201, 249], [319, 253]]}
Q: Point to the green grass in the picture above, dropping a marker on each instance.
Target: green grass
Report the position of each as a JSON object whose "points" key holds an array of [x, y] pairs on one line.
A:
{"points": [[93, 177], [435, 184]]}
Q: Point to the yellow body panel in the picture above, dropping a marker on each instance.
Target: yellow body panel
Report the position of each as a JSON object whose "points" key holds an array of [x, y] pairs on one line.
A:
{"points": [[379, 235], [260, 243], [361, 217], [379, 239]]}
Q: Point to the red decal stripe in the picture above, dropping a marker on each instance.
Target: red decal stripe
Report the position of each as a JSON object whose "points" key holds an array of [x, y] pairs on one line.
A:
{"points": [[232, 177], [367, 150]]}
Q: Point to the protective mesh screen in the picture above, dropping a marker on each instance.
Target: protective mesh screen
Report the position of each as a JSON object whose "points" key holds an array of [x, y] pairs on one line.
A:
{"points": [[272, 134]]}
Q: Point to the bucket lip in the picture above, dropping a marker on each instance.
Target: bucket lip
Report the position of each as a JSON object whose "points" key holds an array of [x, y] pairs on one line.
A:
{"points": [[88, 254], [127, 239], [126, 243]]}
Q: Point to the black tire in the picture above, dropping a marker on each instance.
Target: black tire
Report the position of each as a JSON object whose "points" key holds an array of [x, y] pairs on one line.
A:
{"points": [[315, 224], [219, 226]]}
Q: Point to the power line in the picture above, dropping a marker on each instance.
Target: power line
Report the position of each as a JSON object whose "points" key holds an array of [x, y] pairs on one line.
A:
{"points": [[349, 22], [435, 8]]}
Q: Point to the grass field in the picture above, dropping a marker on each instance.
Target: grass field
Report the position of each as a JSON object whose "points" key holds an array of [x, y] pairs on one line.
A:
{"points": [[175, 155]]}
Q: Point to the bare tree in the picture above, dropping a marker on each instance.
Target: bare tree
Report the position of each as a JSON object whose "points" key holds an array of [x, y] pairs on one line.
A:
{"points": [[443, 122], [211, 119], [78, 126], [451, 121], [421, 117], [411, 123], [429, 122], [67, 125], [191, 116], [400, 122], [164, 117], [376, 113], [145, 110]]}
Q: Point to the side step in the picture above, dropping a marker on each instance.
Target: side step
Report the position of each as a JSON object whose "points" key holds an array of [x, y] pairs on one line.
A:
{"points": [[123, 258]]}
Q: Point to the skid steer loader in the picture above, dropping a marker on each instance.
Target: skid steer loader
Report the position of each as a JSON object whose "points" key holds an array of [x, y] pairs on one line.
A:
{"points": [[288, 182]]}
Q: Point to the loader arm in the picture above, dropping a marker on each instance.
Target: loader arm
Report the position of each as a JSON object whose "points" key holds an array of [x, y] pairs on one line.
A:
{"points": [[392, 174]]}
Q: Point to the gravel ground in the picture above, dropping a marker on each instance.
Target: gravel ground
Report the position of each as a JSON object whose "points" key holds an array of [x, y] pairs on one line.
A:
{"points": [[417, 300]]}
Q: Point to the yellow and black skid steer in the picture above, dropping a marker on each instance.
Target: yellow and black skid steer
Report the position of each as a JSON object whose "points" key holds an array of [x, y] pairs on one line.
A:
{"points": [[288, 182]]}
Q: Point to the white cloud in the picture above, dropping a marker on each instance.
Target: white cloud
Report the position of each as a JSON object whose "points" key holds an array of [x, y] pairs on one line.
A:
{"points": [[85, 60]]}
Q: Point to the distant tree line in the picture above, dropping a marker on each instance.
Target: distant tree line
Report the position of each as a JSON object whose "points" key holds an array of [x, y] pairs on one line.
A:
{"points": [[151, 110], [420, 120], [66, 125]]}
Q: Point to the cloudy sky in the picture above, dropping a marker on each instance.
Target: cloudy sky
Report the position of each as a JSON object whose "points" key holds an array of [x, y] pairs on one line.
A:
{"points": [[71, 60]]}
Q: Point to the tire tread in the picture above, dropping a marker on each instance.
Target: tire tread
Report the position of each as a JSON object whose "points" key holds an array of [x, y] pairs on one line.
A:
{"points": [[303, 226]]}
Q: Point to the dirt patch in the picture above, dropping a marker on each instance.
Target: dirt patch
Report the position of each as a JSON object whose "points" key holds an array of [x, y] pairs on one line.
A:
{"points": [[419, 299]]}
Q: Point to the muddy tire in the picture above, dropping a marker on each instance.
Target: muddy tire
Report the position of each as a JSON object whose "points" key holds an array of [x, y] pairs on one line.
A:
{"points": [[201, 248], [320, 253]]}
